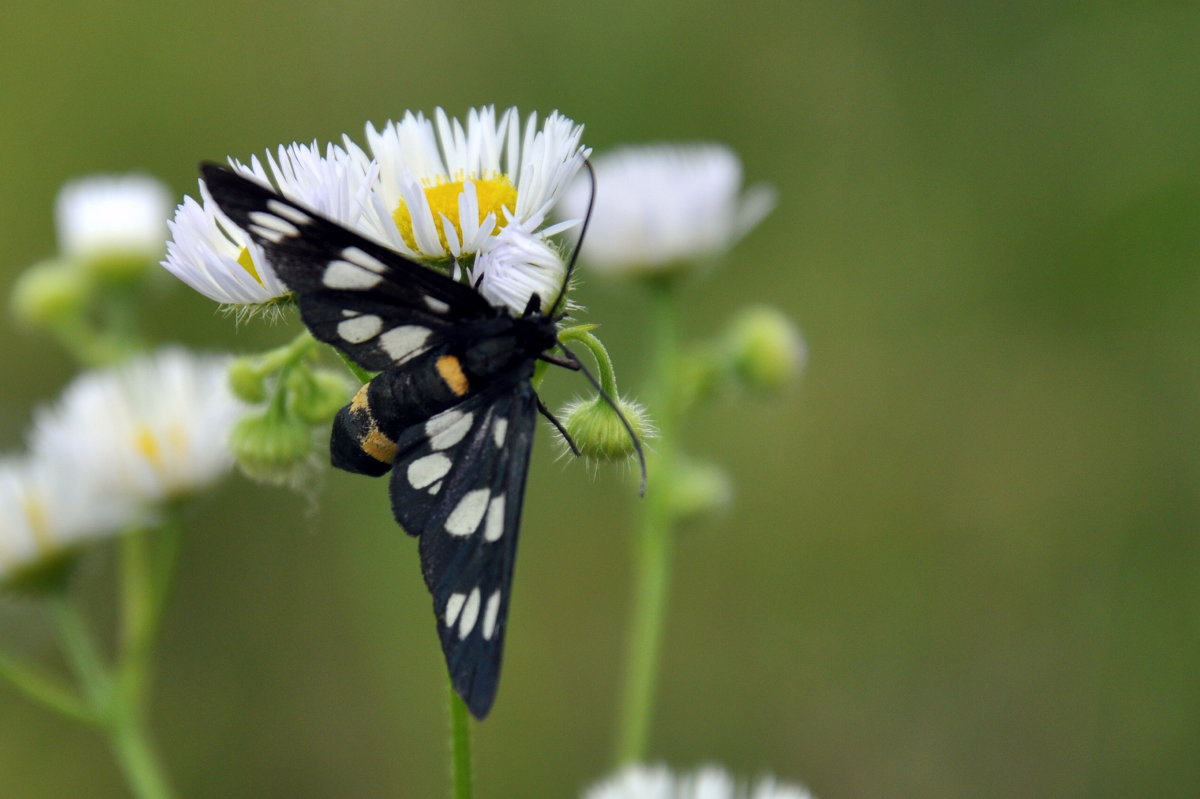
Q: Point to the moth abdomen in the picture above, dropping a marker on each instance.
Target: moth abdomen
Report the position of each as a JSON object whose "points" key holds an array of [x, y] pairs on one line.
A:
{"points": [[357, 444], [365, 431]]}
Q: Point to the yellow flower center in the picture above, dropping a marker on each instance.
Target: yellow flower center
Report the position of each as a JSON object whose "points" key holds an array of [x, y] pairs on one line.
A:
{"points": [[494, 193], [39, 524], [146, 444], [160, 451], [246, 262]]}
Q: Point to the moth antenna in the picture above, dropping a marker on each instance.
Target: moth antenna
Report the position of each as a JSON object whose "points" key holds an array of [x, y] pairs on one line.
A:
{"points": [[562, 431], [587, 217], [637, 444]]}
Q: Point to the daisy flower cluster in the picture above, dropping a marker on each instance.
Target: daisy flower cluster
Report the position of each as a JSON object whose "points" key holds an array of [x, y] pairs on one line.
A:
{"points": [[472, 198], [118, 444]]}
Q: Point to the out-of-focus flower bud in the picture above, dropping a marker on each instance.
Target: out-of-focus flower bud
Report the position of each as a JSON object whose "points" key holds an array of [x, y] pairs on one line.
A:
{"points": [[767, 351]]}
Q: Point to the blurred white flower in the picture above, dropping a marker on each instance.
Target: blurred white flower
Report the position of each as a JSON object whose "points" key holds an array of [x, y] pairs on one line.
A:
{"points": [[217, 258], [709, 782], [112, 216], [443, 189], [150, 429], [516, 264], [47, 506], [662, 206]]}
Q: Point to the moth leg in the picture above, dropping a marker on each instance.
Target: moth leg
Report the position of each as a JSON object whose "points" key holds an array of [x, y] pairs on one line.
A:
{"points": [[557, 361], [544, 411]]}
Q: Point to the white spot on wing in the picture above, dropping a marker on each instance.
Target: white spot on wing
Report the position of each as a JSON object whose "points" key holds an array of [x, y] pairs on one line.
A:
{"points": [[436, 487], [491, 614], [288, 212], [263, 220], [428, 470], [470, 614], [360, 258], [465, 517], [402, 343], [436, 305], [448, 428], [495, 519], [345, 275], [360, 328], [453, 606], [270, 234], [499, 431]]}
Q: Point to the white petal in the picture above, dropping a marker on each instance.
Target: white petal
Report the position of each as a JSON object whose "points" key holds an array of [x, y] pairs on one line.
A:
{"points": [[152, 428], [660, 205]]}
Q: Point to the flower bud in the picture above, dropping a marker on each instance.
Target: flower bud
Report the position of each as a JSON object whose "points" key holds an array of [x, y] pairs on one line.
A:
{"points": [[49, 291], [698, 488], [316, 396], [246, 381], [598, 431], [767, 351], [272, 447]]}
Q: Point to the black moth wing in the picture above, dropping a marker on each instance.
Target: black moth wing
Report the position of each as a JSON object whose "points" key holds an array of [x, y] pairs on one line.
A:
{"points": [[366, 299], [457, 483]]}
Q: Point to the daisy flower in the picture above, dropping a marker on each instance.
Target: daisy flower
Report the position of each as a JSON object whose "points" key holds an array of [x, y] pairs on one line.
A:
{"points": [[709, 782], [112, 217], [516, 264], [443, 189], [217, 259], [154, 428], [661, 206], [47, 507]]}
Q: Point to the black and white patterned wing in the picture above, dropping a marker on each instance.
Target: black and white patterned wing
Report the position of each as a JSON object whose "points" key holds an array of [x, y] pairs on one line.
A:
{"points": [[458, 483], [367, 300]]}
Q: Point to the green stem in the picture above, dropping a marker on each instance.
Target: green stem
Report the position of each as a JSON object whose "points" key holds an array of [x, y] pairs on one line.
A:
{"points": [[46, 691], [116, 699], [82, 654], [653, 546], [147, 566], [130, 742], [461, 778], [606, 374], [295, 350]]}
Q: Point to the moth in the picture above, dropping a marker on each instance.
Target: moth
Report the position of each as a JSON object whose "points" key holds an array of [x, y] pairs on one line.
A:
{"points": [[451, 413]]}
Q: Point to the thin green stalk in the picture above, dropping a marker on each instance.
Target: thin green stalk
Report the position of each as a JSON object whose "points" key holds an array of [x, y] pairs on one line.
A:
{"points": [[46, 691], [116, 697], [652, 556], [461, 776], [130, 742], [289, 354], [147, 566], [606, 375], [82, 654], [142, 589]]}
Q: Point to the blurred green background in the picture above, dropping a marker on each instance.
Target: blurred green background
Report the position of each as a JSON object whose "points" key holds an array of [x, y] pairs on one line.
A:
{"points": [[962, 560]]}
